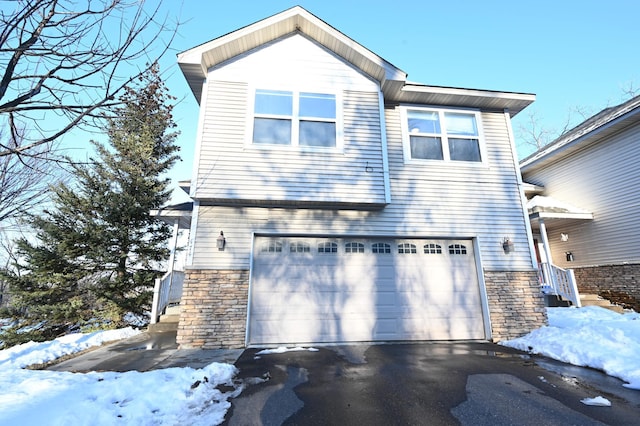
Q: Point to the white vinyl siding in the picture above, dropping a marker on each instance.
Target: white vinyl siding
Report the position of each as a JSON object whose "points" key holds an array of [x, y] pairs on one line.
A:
{"points": [[604, 180], [230, 170], [467, 201]]}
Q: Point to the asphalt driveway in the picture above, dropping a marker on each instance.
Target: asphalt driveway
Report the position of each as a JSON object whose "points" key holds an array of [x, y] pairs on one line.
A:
{"points": [[424, 384], [395, 384]]}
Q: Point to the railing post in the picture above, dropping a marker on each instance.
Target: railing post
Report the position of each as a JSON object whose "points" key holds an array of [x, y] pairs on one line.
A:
{"points": [[574, 288], [156, 301]]}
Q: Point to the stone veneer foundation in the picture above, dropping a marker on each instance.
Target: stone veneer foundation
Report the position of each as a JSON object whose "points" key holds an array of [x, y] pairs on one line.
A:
{"points": [[214, 307], [622, 278], [516, 304]]}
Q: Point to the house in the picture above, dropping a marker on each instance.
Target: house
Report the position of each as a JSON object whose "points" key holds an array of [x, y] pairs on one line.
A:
{"points": [[586, 209], [336, 201]]}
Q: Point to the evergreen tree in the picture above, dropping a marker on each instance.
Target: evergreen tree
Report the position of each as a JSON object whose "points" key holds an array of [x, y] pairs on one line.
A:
{"points": [[98, 248]]}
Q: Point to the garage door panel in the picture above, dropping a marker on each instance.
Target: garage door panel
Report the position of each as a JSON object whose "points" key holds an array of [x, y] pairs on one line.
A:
{"points": [[409, 294]]}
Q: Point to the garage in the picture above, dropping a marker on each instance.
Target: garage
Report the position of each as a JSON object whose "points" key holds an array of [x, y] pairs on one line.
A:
{"points": [[331, 290]]}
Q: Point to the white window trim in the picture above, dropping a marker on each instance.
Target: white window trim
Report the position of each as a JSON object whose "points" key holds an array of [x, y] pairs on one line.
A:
{"points": [[406, 145], [294, 146]]}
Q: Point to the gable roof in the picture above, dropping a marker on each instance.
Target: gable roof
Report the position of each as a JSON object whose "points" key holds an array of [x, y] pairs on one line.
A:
{"points": [[592, 130], [195, 62]]}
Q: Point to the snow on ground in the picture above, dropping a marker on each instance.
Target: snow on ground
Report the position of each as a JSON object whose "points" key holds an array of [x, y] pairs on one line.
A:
{"points": [[171, 396], [590, 336]]}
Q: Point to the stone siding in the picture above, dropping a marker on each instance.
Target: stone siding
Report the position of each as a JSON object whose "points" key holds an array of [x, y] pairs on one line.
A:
{"points": [[516, 303], [214, 309], [622, 278]]}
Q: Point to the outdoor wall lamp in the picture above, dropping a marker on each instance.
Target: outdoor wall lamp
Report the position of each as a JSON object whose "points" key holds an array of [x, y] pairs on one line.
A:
{"points": [[221, 241], [569, 256], [507, 245]]}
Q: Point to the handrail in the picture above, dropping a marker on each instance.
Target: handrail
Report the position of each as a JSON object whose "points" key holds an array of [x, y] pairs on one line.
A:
{"points": [[561, 281]]}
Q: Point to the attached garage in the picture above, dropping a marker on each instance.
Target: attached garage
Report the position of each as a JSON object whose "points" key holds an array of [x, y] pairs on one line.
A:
{"points": [[330, 290]]}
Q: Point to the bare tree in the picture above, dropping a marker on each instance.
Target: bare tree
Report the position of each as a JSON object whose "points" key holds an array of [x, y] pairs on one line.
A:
{"points": [[64, 61], [533, 135], [24, 180]]}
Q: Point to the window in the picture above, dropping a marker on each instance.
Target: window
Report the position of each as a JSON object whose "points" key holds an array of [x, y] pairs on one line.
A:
{"points": [[327, 247], [442, 135], [407, 248], [271, 247], [299, 247], [380, 248], [295, 119], [457, 249], [432, 249], [354, 248]]}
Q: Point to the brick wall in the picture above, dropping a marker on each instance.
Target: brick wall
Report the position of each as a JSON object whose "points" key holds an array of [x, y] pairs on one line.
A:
{"points": [[623, 278], [516, 303], [214, 309]]}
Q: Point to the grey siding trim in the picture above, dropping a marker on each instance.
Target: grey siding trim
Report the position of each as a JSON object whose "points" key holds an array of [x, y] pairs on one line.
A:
{"points": [[602, 178]]}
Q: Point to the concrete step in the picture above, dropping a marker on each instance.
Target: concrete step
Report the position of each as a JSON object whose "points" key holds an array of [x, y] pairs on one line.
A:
{"points": [[595, 300], [169, 318], [163, 326], [172, 310]]}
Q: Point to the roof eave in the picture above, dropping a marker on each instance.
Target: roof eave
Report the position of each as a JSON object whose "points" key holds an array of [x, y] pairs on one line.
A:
{"points": [[461, 97], [581, 136], [195, 62]]}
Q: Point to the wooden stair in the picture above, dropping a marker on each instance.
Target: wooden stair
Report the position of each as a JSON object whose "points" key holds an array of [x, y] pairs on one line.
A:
{"points": [[595, 300]]}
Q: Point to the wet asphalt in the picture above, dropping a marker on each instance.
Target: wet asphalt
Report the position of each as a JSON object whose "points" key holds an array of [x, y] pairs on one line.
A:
{"points": [[437, 383]]}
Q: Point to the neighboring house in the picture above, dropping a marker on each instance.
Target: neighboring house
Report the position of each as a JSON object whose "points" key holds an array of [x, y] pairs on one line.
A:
{"points": [[587, 200], [335, 201]]}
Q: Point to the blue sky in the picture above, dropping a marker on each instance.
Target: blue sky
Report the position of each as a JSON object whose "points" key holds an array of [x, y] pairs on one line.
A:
{"points": [[569, 53]]}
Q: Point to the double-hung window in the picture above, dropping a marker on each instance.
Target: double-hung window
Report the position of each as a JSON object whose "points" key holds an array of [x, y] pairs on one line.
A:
{"points": [[295, 119], [442, 135]]}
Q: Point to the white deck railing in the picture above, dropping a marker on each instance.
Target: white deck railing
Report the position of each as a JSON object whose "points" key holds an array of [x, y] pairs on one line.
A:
{"points": [[167, 290], [559, 281]]}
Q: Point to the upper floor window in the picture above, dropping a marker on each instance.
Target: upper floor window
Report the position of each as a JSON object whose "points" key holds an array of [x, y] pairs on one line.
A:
{"points": [[295, 118], [444, 135]]}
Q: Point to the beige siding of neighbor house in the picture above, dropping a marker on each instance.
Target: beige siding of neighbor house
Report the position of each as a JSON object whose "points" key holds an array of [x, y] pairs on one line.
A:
{"points": [[230, 167], [604, 179], [448, 201]]}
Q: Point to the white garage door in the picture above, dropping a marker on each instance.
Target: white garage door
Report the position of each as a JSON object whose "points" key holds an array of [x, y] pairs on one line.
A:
{"points": [[329, 290]]}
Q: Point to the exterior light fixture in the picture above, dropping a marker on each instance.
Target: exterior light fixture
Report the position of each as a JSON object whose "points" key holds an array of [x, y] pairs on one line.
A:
{"points": [[569, 256], [507, 245], [221, 241], [564, 237]]}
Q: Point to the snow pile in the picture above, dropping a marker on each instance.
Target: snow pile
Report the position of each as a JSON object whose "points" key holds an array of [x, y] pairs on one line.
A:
{"points": [[590, 337], [30, 353], [162, 397]]}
